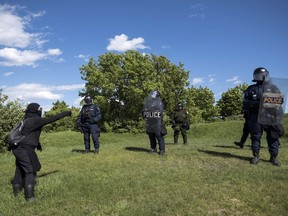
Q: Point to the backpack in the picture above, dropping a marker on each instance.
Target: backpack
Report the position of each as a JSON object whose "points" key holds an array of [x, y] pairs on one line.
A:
{"points": [[15, 136]]}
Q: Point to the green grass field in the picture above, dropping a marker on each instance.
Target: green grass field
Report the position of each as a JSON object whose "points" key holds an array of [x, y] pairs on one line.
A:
{"points": [[209, 176]]}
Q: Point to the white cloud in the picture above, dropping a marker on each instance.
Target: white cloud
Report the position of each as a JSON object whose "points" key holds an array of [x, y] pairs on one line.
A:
{"points": [[12, 28], [196, 81], [211, 78], [32, 91], [68, 87], [84, 57], [38, 14], [8, 74], [59, 60], [15, 57], [197, 11], [235, 80], [28, 91], [20, 47], [121, 43], [54, 52]]}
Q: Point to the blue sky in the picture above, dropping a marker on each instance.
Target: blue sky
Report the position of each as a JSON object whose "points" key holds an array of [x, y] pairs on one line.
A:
{"points": [[44, 43]]}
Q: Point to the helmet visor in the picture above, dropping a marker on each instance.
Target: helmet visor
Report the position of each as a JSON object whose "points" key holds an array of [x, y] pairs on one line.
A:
{"points": [[260, 76]]}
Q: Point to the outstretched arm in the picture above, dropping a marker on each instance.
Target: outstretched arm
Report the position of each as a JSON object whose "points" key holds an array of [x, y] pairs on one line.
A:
{"points": [[40, 122]]}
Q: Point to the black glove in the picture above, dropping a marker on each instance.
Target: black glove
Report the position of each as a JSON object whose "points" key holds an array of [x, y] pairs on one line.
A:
{"points": [[186, 125], [39, 147]]}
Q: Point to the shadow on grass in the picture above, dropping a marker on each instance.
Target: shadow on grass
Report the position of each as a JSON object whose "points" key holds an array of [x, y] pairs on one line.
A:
{"points": [[47, 173], [137, 149], [169, 143], [232, 146], [39, 176], [79, 150], [225, 155]]}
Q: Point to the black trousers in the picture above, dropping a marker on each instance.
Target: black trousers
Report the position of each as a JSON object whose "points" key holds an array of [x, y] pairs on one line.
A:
{"points": [[154, 138], [256, 131], [27, 165]]}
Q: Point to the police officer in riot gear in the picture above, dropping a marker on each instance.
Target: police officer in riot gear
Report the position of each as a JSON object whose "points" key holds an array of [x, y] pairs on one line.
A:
{"points": [[88, 118], [27, 162], [251, 102], [180, 123], [153, 115]]}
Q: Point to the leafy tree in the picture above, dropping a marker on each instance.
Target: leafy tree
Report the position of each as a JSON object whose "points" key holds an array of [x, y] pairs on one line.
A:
{"points": [[202, 100], [11, 112], [174, 80], [62, 124], [230, 103], [120, 82]]}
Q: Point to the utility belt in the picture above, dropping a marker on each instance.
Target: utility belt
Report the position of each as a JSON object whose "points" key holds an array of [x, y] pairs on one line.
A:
{"points": [[183, 125]]}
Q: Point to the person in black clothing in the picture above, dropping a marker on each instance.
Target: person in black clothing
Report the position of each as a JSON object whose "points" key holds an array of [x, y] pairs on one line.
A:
{"points": [[88, 118], [180, 123], [152, 113], [27, 162], [251, 102]]}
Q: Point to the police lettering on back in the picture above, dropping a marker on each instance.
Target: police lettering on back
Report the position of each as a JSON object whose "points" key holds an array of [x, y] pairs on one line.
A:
{"points": [[152, 114]]}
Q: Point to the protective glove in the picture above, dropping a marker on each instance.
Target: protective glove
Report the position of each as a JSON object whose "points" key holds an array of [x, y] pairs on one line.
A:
{"points": [[39, 147]]}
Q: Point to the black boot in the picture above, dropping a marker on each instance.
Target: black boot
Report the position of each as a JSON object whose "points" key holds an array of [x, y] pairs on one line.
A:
{"points": [[274, 161], [153, 151], [255, 159], [86, 151], [185, 139], [240, 144], [17, 188], [175, 140], [29, 193]]}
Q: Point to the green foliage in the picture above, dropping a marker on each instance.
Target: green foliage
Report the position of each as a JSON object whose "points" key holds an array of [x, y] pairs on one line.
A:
{"points": [[200, 104], [11, 112], [62, 124], [120, 82], [231, 101]]}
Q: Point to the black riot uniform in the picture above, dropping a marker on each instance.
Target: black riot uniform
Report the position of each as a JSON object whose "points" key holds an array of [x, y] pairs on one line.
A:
{"points": [[180, 123], [88, 119], [153, 114], [27, 162], [251, 102]]}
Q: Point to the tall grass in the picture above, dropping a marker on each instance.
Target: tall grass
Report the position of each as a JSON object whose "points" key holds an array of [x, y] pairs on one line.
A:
{"points": [[209, 176]]}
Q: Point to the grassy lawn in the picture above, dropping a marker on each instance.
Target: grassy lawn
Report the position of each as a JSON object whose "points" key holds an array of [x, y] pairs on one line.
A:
{"points": [[209, 176]]}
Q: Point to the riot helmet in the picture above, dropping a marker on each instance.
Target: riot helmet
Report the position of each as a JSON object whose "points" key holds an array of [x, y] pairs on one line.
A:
{"points": [[34, 108], [179, 106], [260, 74], [154, 94], [88, 100]]}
